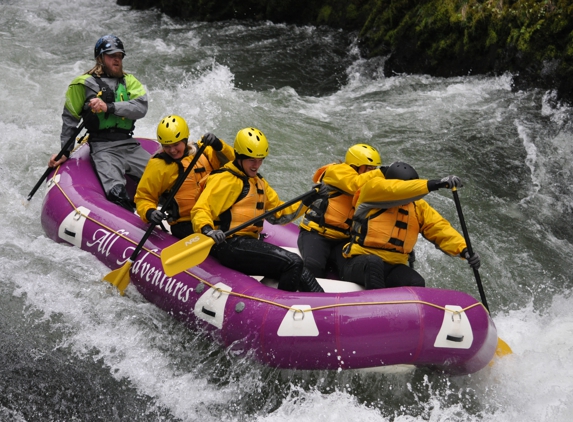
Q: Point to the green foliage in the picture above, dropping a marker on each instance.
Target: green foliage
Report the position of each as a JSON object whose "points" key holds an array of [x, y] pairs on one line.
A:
{"points": [[532, 27], [324, 15]]}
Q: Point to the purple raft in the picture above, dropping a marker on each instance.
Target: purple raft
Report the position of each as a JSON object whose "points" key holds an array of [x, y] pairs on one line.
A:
{"points": [[344, 328]]}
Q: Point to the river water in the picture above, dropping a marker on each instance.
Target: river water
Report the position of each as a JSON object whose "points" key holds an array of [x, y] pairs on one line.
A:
{"points": [[72, 349]]}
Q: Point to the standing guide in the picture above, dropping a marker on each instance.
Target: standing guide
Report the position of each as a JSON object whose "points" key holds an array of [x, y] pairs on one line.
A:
{"points": [[109, 101]]}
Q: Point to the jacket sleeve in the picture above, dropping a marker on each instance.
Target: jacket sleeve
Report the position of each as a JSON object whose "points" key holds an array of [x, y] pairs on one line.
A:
{"points": [[388, 193], [156, 179], [438, 230], [345, 178], [218, 195], [69, 124], [73, 108], [219, 158]]}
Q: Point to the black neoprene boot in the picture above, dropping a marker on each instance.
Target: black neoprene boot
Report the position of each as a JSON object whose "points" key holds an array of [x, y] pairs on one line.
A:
{"points": [[118, 195]]}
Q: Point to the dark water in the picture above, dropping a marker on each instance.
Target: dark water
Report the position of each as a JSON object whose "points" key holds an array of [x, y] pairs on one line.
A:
{"points": [[72, 349]]}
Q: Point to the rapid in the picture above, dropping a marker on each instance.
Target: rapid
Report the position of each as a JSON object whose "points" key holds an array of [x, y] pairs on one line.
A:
{"points": [[71, 348]]}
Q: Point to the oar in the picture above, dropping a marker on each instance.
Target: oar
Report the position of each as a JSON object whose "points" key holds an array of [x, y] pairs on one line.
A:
{"points": [[502, 347], [195, 248], [120, 276], [60, 155]]}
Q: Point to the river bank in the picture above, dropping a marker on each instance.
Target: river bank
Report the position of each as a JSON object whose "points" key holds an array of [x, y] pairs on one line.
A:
{"points": [[530, 39]]}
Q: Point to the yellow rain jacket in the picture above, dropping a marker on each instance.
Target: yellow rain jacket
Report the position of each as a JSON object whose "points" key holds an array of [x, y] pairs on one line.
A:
{"points": [[332, 217], [389, 216], [230, 198], [160, 176]]}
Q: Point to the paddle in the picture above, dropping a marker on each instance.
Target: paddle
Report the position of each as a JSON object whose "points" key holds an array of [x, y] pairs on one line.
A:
{"points": [[195, 248], [502, 347], [120, 277], [60, 155]]}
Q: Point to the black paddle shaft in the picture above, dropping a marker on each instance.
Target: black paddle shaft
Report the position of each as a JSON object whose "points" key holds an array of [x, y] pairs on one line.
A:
{"points": [[270, 212], [170, 198], [60, 155], [469, 245]]}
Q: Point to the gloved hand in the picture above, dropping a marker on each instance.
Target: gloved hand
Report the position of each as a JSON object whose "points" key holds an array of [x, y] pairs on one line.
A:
{"points": [[448, 182], [217, 235], [155, 216], [473, 260], [321, 191], [211, 140]]}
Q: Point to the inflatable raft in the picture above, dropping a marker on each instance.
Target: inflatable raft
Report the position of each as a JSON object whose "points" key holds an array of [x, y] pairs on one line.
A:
{"points": [[343, 328]]}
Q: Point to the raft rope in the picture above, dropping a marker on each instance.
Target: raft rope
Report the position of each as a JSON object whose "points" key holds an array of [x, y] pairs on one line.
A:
{"points": [[256, 299]]}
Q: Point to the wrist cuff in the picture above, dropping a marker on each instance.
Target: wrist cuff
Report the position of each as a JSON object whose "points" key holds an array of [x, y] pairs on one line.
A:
{"points": [[148, 213], [433, 185], [217, 145]]}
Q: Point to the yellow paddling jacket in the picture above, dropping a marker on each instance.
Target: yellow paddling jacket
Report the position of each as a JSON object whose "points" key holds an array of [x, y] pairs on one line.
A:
{"points": [[389, 216], [162, 172], [230, 198], [332, 217]]}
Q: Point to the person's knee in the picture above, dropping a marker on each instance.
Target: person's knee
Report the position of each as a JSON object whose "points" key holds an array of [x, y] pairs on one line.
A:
{"points": [[291, 272], [402, 275], [366, 270], [416, 280]]}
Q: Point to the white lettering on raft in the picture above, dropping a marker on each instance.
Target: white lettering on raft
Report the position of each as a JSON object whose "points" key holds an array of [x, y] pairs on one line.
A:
{"points": [[104, 241], [157, 277]]}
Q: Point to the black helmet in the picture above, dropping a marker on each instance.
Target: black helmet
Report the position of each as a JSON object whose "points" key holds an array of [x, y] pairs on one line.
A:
{"points": [[402, 171], [108, 44]]}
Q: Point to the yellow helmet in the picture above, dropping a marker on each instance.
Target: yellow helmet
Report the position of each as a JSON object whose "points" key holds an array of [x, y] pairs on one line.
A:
{"points": [[252, 143], [362, 155], [171, 130]]}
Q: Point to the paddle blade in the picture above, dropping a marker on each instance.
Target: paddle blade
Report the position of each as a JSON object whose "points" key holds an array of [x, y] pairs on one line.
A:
{"points": [[502, 348], [120, 277], [186, 253]]}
